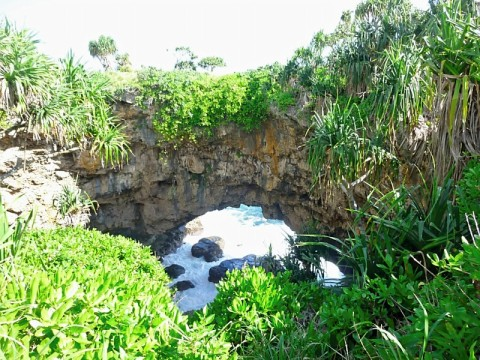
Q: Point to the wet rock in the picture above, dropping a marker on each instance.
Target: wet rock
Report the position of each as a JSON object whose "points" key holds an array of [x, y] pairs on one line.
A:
{"points": [[211, 248], [194, 227], [174, 271], [217, 273], [184, 285]]}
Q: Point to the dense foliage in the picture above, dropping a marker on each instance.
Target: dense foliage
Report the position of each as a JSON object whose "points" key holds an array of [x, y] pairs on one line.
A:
{"points": [[395, 89], [417, 74], [413, 250], [413, 292], [74, 293], [343, 140], [62, 102], [191, 104]]}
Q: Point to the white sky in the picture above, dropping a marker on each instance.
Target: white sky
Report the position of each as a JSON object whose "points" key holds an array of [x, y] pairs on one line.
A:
{"points": [[245, 33]]}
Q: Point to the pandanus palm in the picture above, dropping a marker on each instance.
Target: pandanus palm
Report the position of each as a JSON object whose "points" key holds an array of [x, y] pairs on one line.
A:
{"points": [[24, 73], [63, 103], [452, 55], [103, 49], [376, 25]]}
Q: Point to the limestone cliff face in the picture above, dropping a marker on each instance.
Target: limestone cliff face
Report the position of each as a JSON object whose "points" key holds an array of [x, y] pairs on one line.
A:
{"points": [[162, 188]]}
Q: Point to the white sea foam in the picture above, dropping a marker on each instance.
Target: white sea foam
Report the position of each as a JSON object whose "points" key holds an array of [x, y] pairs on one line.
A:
{"points": [[245, 231]]}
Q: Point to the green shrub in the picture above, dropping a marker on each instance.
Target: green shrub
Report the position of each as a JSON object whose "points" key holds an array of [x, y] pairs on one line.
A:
{"points": [[253, 306], [69, 312], [444, 318], [468, 189], [416, 294], [260, 87], [284, 99], [341, 150], [76, 293], [190, 104], [11, 235], [90, 250], [325, 82], [74, 205], [403, 225]]}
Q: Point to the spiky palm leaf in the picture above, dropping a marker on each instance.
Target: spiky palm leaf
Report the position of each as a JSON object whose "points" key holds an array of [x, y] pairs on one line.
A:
{"points": [[24, 73], [341, 149], [377, 24], [453, 55]]}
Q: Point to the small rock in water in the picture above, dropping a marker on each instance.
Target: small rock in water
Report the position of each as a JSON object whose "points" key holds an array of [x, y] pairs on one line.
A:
{"points": [[211, 248], [217, 273], [184, 285], [174, 271]]}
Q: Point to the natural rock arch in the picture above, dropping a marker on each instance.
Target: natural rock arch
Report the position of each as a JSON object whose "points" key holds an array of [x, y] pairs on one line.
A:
{"points": [[162, 188]]}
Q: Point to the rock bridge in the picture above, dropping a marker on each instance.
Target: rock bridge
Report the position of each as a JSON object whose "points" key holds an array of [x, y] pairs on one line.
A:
{"points": [[162, 188]]}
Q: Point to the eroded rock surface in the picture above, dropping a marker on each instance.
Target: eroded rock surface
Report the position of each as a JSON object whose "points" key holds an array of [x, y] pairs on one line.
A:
{"points": [[163, 187], [30, 179]]}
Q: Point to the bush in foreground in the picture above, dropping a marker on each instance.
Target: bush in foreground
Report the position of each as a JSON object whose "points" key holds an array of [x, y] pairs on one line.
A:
{"points": [[75, 293]]}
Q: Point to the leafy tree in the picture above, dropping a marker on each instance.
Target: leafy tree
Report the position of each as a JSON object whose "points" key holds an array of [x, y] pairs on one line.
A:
{"points": [[77, 112], [123, 62], [307, 69], [103, 49], [211, 62], [185, 59], [452, 57]]}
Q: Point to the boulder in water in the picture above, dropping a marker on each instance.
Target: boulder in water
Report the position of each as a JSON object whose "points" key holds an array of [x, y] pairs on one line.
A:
{"points": [[174, 270], [217, 273], [184, 285], [211, 248]]}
